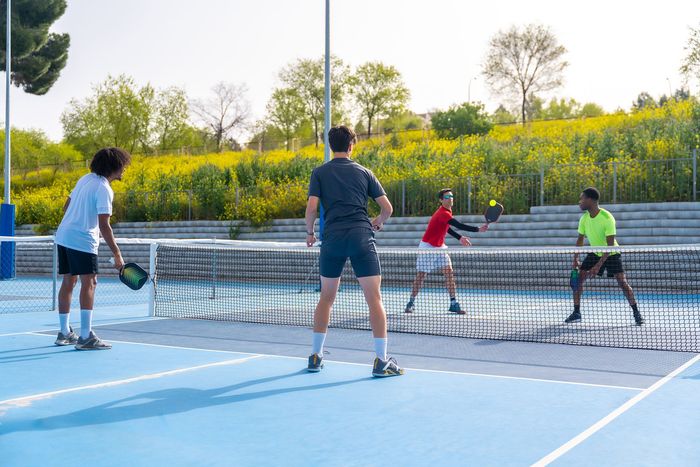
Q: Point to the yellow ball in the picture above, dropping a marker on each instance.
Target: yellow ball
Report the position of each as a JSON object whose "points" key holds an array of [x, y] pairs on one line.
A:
{"points": [[492, 202]]}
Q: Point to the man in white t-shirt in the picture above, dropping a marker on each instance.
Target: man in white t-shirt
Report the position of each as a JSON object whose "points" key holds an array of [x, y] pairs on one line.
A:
{"points": [[86, 216]]}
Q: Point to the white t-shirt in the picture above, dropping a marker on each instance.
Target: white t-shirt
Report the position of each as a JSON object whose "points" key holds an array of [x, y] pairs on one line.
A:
{"points": [[79, 229]]}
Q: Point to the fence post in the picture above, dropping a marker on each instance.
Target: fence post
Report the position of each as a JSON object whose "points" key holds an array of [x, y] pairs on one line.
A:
{"points": [[403, 198], [614, 198], [238, 198], [542, 185], [469, 195], [695, 174], [189, 205]]}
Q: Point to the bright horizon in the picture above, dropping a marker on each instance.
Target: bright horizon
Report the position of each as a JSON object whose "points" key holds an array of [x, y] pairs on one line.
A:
{"points": [[615, 49]]}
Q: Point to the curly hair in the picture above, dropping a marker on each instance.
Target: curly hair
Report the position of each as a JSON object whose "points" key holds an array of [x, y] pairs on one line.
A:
{"points": [[107, 161]]}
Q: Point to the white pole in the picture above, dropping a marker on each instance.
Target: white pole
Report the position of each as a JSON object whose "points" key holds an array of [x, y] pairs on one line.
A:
{"points": [[54, 274], [153, 251], [327, 126], [7, 103]]}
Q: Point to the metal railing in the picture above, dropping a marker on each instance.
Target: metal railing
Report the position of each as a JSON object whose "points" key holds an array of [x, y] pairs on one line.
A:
{"points": [[618, 181]]}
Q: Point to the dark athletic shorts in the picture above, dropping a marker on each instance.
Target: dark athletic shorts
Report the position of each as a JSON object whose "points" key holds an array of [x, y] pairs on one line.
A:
{"points": [[76, 262], [613, 264], [356, 244]]}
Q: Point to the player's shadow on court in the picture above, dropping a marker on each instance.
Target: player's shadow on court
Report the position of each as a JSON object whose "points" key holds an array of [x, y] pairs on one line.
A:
{"points": [[166, 402], [553, 332], [20, 355]]}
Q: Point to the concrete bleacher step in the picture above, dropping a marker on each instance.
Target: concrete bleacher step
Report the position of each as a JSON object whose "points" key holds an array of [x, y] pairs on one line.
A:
{"points": [[620, 208], [638, 224]]}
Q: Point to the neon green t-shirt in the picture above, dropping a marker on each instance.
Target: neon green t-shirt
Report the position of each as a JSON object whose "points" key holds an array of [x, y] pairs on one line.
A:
{"points": [[598, 228]]}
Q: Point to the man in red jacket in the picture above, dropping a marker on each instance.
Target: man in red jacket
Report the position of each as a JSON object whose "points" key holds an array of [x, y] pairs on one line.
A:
{"points": [[441, 224]]}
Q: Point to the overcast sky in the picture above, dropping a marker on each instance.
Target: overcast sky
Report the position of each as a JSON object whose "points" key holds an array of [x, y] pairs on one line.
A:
{"points": [[616, 48]]}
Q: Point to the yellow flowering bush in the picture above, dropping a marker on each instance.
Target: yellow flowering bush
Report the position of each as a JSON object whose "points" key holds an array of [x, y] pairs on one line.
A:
{"points": [[412, 166]]}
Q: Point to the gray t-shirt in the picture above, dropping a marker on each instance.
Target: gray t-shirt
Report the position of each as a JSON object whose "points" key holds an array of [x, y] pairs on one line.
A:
{"points": [[344, 187]]}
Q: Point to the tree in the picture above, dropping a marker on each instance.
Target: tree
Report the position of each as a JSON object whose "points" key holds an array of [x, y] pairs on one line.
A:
{"points": [[286, 113], [399, 122], [227, 111], [460, 120], [690, 67], [170, 125], [519, 63], [591, 109], [306, 78], [117, 114], [503, 116], [644, 101], [38, 57], [379, 91]]}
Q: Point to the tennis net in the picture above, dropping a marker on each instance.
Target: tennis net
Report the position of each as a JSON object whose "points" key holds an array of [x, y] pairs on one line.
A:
{"points": [[27, 274], [519, 294]]}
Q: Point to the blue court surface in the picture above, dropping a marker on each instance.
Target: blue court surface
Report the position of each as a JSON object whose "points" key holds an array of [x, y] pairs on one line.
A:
{"points": [[207, 393]]}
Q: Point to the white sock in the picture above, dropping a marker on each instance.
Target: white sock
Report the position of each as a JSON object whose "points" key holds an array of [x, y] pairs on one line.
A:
{"points": [[380, 344], [85, 323], [64, 319], [319, 339]]}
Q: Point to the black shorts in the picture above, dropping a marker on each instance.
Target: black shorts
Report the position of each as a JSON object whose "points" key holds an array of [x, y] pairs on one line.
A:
{"points": [[356, 244], [613, 264], [76, 262]]}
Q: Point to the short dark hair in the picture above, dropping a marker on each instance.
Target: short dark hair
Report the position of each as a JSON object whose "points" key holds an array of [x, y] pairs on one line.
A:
{"points": [[107, 161], [442, 192], [340, 138], [592, 193]]}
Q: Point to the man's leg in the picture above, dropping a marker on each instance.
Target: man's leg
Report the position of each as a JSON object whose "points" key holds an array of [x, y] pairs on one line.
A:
{"points": [[88, 284], [584, 273], [377, 316], [629, 294], [452, 289], [417, 284], [576, 315], [88, 340], [322, 314], [65, 296], [322, 317], [383, 366]]}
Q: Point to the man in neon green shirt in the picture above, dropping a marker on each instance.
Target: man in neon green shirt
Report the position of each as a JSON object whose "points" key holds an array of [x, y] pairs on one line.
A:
{"points": [[598, 225]]}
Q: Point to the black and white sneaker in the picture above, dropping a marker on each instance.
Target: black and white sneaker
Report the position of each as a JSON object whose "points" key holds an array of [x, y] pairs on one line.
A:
{"points": [[70, 339], [410, 307], [455, 308], [386, 368], [92, 343], [574, 317], [315, 363], [638, 320]]}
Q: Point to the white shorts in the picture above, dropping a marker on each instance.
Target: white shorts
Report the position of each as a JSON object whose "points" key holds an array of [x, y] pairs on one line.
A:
{"points": [[434, 258]]}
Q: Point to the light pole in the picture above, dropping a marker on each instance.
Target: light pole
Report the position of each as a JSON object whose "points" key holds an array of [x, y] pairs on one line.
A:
{"points": [[670, 90], [7, 210], [327, 99], [469, 89]]}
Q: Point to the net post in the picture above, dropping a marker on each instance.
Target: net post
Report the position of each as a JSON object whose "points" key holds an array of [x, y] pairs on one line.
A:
{"points": [[403, 197], [614, 199], [152, 286], [469, 195], [213, 272], [54, 273], [189, 205], [695, 174]]}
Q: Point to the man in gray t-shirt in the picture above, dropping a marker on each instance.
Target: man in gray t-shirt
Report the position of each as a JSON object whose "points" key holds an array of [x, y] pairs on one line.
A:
{"points": [[343, 187]]}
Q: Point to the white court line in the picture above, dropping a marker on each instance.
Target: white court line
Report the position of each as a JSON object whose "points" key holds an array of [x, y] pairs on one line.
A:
{"points": [[27, 400], [114, 321], [600, 424], [424, 370]]}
